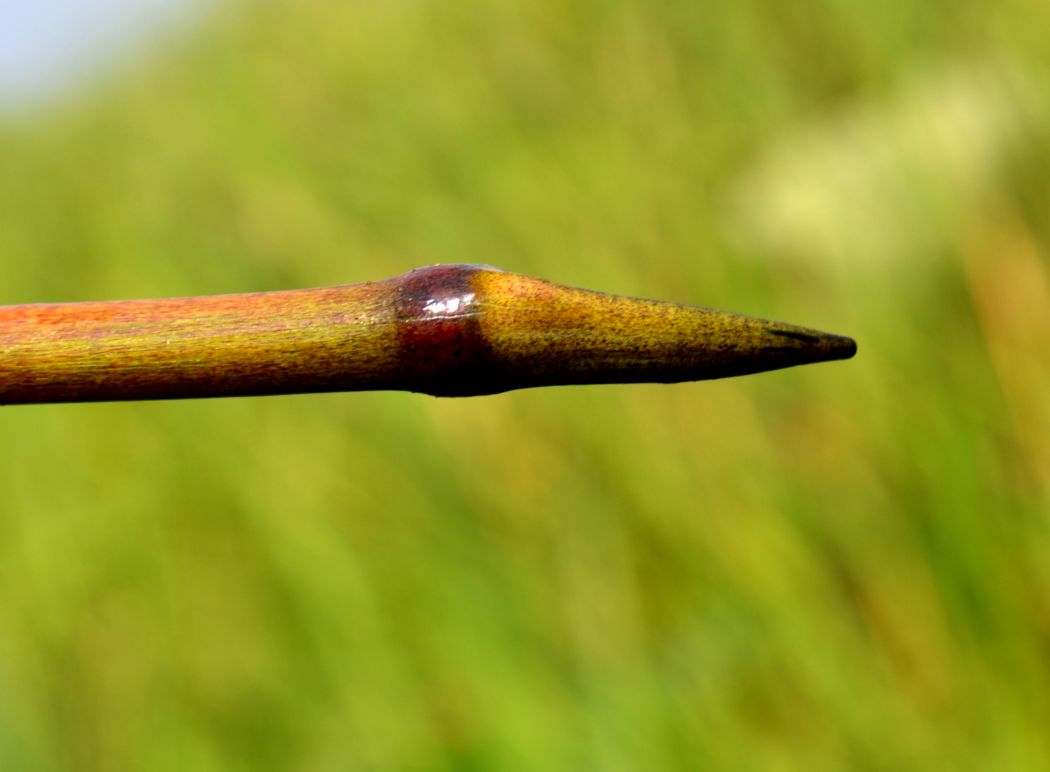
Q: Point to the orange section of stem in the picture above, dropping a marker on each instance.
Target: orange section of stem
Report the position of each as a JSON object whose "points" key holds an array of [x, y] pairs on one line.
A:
{"points": [[264, 343]]}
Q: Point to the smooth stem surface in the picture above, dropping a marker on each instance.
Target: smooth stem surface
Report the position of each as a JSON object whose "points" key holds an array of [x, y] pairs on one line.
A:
{"points": [[453, 330]]}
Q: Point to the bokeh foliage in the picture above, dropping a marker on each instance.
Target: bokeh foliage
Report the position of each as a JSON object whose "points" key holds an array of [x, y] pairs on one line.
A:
{"points": [[836, 567]]}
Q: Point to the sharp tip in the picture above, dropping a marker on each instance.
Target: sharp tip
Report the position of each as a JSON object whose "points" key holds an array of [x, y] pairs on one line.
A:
{"points": [[813, 345], [840, 346]]}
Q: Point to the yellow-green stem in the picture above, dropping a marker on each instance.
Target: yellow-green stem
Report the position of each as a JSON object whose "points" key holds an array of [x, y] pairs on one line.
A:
{"points": [[450, 330]]}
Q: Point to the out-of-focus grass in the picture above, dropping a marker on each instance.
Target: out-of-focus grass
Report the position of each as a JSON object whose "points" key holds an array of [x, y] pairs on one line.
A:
{"points": [[836, 567]]}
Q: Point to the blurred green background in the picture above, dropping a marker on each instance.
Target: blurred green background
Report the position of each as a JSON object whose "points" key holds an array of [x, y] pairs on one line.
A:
{"points": [[844, 566]]}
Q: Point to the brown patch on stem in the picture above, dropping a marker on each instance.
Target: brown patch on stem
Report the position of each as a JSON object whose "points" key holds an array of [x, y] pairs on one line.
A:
{"points": [[442, 348]]}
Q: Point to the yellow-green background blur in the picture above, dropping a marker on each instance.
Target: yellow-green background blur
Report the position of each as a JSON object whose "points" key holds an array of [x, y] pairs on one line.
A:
{"points": [[843, 566]]}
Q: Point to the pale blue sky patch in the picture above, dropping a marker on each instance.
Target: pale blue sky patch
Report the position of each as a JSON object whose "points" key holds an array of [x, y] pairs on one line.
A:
{"points": [[49, 46]]}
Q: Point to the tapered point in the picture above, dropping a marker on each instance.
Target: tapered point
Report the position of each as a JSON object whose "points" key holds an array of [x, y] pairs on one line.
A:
{"points": [[748, 345], [809, 345], [840, 347], [542, 333]]}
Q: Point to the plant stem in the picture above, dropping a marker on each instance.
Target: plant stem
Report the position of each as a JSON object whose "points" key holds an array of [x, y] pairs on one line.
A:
{"points": [[449, 330]]}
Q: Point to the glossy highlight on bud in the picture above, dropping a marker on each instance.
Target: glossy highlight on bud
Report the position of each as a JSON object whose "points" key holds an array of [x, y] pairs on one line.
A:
{"points": [[445, 330]]}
